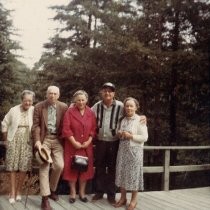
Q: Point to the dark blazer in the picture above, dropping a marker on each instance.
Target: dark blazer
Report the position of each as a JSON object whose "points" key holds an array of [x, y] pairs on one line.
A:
{"points": [[39, 128]]}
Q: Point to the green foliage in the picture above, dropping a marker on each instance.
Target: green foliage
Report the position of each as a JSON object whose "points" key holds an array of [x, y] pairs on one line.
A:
{"points": [[6, 72], [14, 74], [156, 51]]}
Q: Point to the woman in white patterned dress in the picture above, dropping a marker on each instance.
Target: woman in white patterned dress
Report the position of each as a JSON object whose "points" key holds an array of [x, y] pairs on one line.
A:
{"points": [[129, 166], [16, 130]]}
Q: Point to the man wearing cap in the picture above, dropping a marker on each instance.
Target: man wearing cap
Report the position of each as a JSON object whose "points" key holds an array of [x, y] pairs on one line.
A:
{"points": [[108, 112], [46, 130]]}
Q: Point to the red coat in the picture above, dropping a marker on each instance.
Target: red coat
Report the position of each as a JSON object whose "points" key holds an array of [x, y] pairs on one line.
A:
{"points": [[81, 127]]}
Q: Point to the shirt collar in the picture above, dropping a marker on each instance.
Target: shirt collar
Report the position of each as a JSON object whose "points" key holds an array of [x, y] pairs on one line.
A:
{"points": [[113, 103], [52, 106]]}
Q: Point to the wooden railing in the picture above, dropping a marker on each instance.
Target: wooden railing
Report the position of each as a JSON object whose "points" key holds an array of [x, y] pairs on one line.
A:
{"points": [[166, 168]]}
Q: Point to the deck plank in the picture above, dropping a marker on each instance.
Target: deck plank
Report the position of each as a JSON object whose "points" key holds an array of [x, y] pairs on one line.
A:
{"points": [[186, 199], [4, 204], [158, 202], [33, 202], [194, 199], [170, 201]]}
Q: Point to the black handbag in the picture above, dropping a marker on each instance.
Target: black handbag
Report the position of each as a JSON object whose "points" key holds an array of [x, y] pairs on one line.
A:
{"points": [[79, 163]]}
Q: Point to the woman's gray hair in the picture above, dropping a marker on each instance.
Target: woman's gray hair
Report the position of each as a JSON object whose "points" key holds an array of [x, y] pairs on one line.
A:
{"points": [[27, 92], [80, 92], [133, 99]]}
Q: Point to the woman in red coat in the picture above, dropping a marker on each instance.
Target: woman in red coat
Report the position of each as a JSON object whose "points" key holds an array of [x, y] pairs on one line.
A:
{"points": [[78, 130]]}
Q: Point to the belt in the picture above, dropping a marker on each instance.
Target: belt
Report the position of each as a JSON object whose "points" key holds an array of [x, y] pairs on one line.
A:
{"points": [[51, 136], [48, 133]]}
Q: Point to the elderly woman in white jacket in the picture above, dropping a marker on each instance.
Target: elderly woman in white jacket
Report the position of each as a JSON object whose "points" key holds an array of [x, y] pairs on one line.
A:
{"points": [[129, 167], [16, 130]]}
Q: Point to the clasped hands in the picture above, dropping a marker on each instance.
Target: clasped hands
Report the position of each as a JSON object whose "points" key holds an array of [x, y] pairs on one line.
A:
{"points": [[125, 135], [78, 145]]}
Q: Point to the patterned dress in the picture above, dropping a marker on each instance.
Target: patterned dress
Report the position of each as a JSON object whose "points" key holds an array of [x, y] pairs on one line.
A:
{"points": [[19, 150], [129, 165]]}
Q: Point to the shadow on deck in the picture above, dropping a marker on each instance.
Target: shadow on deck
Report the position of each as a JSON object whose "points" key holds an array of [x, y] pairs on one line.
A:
{"points": [[187, 199]]}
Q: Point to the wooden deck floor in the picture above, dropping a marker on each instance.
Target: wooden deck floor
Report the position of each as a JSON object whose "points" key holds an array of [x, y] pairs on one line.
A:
{"points": [[187, 199]]}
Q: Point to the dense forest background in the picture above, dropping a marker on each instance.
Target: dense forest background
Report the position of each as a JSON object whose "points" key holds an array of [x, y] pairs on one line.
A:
{"points": [[157, 51]]}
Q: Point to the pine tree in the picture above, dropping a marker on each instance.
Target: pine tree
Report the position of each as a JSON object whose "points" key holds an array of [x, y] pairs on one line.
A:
{"points": [[13, 72], [152, 50], [6, 59]]}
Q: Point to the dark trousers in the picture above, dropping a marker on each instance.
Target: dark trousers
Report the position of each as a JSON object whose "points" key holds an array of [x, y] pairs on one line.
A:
{"points": [[105, 162]]}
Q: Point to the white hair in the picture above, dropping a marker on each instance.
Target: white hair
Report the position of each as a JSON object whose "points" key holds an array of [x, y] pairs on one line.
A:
{"points": [[27, 92], [52, 87], [80, 92]]}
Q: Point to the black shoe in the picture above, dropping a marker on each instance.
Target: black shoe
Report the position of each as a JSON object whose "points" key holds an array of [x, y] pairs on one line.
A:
{"points": [[97, 196], [111, 200], [84, 199], [72, 200]]}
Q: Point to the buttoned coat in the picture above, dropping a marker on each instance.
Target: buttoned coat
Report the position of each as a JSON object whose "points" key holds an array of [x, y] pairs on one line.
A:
{"points": [[40, 120], [81, 127]]}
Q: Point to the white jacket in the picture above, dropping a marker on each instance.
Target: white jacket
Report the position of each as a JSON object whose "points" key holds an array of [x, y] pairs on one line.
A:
{"points": [[139, 131], [11, 121]]}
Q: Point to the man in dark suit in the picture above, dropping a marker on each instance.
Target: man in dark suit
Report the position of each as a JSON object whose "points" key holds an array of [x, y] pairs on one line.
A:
{"points": [[46, 131]]}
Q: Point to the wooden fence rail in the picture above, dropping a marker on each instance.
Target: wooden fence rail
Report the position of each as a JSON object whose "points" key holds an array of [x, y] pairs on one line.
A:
{"points": [[166, 168]]}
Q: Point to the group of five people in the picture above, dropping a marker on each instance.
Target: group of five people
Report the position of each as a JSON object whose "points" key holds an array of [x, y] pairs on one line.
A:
{"points": [[117, 130]]}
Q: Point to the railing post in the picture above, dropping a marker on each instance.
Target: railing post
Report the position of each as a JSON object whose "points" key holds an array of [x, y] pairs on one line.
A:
{"points": [[166, 170]]}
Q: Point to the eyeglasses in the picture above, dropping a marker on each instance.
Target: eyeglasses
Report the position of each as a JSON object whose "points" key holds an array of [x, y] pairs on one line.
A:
{"points": [[107, 91]]}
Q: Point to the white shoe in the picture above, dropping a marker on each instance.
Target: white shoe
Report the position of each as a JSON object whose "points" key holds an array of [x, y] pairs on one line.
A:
{"points": [[11, 200], [18, 198]]}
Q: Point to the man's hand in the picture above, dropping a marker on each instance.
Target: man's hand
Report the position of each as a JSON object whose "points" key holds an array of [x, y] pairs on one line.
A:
{"points": [[38, 145], [143, 119]]}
